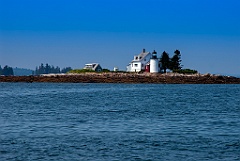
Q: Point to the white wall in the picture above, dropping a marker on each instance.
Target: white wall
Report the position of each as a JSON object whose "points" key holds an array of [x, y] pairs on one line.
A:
{"points": [[154, 66], [137, 66]]}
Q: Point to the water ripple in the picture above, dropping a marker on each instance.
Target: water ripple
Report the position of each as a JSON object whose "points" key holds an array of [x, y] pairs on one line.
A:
{"points": [[47, 121]]}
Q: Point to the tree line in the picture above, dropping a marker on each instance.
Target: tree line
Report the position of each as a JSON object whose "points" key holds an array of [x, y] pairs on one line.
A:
{"points": [[46, 69], [42, 69], [6, 70], [173, 63]]}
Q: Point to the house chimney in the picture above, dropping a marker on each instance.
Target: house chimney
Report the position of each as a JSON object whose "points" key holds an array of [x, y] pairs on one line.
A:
{"points": [[144, 50]]}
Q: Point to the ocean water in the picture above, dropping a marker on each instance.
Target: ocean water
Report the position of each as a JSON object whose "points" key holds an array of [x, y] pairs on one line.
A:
{"points": [[47, 121]]}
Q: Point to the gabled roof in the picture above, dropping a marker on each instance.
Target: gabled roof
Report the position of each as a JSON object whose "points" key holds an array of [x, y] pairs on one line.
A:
{"points": [[141, 56], [92, 66], [95, 66]]}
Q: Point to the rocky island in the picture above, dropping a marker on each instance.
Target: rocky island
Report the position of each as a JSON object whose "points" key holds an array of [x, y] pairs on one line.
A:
{"points": [[115, 77]]}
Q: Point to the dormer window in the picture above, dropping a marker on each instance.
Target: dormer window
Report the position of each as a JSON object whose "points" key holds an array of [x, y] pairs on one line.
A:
{"points": [[136, 58]]}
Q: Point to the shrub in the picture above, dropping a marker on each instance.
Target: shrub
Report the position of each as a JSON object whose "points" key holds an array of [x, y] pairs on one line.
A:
{"points": [[81, 71], [186, 71], [105, 70]]}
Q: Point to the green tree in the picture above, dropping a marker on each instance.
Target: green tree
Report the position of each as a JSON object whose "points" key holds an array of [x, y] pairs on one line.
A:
{"points": [[36, 71], [65, 70], [175, 62], [105, 70], [0, 70], [57, 70], [7, 71], [41, 69], [47, 69], [10, 69], [165, 61]]}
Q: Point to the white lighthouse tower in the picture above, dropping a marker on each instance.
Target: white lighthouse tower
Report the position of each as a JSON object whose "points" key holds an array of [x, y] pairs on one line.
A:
{"points": [[154, 64]]}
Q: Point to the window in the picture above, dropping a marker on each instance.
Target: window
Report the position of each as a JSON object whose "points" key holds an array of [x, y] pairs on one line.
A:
{"points": [[136, 65]]}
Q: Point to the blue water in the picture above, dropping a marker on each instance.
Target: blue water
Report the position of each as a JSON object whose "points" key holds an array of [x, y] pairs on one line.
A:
{"points": [[46, 121]]}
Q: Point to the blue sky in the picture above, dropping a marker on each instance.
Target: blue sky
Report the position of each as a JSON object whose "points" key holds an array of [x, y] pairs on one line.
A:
{"points": [[111, 32]]}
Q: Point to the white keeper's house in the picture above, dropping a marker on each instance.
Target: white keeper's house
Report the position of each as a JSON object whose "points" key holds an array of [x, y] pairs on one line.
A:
{"points": [[139, 62], [145, 61]]}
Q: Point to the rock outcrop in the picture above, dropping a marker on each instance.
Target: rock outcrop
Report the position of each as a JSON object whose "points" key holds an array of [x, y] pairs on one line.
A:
{"points": [[125, 78]]}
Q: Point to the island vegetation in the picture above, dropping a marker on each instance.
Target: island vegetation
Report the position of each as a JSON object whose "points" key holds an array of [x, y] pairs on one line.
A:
{"points": [[171, 69], [22, 71], [42, 69], [6, 70], [47, 69], [174, 63], [78, 71], [171, 72]]}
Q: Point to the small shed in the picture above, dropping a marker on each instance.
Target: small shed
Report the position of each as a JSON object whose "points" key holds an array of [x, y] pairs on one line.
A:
{"points": [[115, 69], [93, 66]]}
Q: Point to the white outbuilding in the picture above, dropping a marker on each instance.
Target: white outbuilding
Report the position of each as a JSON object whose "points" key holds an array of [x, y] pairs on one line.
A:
{"points": [[93, 66], [115, 69]]}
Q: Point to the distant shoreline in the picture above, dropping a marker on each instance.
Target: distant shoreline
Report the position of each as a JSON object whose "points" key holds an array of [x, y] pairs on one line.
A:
{"points": [[170, 78]]}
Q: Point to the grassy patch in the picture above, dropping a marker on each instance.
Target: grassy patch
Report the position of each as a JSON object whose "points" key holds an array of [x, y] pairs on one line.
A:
{"points": [[81, 71], [186, 71]]}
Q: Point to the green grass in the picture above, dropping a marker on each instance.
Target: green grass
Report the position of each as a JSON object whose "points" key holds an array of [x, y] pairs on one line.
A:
{"points": [[186, 71], [81, 71]]}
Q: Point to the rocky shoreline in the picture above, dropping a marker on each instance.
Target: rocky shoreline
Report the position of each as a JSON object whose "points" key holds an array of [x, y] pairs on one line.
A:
{"points": [[125, 78]]}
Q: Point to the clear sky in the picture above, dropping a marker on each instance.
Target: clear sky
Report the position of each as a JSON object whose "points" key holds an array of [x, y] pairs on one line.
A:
{"points": [[111, 32]]}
